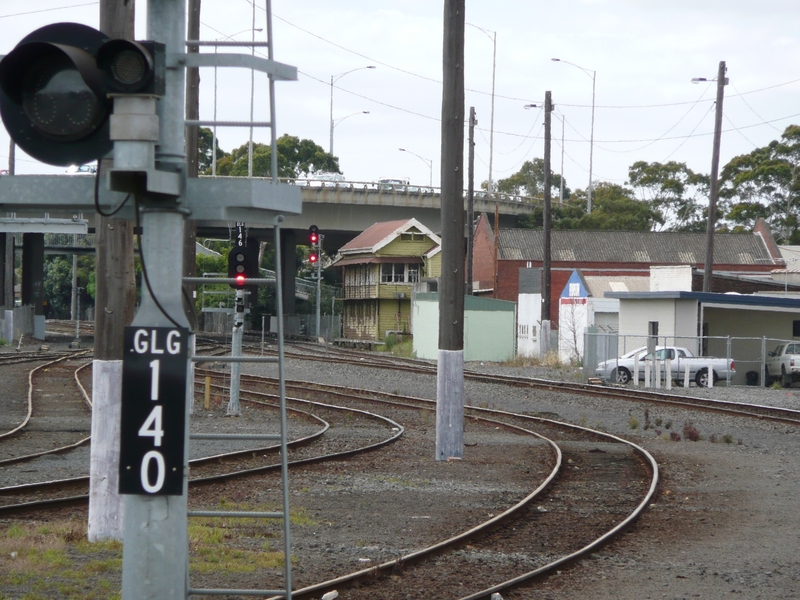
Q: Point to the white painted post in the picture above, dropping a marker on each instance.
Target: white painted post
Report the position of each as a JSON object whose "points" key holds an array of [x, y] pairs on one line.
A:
{"points": [[647, 383], [656, 373], [450, 415], [686, 376], [668, 367], [636, 369], [106, 508], [710, 376]]}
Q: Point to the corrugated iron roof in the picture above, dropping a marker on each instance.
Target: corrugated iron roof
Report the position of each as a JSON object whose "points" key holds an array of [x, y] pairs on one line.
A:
{"points": [[632, 246], [372, 235]]}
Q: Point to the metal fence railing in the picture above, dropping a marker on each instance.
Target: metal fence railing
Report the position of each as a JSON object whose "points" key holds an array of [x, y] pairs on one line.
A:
{"points": [[749, 354]]}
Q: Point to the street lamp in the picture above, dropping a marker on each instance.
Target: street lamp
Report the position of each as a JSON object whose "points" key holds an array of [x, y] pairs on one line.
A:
{"points": [[493, 37], [425, 160], [334, 79], [593, 75], [340, 119], [713, 192]]}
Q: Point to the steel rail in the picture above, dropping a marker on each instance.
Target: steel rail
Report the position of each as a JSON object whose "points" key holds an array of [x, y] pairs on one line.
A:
{"points": [[29, 413], [82, 499]]}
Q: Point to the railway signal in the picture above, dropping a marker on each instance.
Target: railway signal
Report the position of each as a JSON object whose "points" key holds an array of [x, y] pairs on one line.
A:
{"points": [[313, 235], [242, 265], [57, 87]]}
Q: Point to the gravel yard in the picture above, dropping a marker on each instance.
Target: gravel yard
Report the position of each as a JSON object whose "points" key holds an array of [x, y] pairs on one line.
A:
{"points": [[723, 523]]}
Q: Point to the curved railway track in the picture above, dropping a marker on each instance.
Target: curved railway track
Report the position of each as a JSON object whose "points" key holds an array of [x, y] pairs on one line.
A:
{"points": [[216, 467], [574, 452]]}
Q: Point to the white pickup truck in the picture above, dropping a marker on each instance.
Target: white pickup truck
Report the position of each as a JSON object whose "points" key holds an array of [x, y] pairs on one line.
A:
{"points": [[783, 363], [620, 370]]}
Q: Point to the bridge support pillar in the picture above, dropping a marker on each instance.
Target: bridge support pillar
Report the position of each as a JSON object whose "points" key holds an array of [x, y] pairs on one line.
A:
{"points": [[288, 270], [33, 279]]}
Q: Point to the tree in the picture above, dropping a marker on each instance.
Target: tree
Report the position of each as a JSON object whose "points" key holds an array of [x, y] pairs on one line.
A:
{"points": [[296, 158], [674, 190], [764, 183], [529, 181], [614, 207], [205, 142], [58, 284]]}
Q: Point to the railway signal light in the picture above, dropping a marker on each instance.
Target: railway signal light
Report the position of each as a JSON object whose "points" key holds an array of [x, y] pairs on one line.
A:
{"points": [[55, 86], [242, 265], [313, 257], [313, 235]]}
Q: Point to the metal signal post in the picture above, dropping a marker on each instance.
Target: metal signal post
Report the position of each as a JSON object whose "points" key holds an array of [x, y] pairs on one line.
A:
{"points": [[100, 95]]}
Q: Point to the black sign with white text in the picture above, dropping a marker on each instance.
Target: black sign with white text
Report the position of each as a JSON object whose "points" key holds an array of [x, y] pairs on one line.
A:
{"points": [[153, 411]]}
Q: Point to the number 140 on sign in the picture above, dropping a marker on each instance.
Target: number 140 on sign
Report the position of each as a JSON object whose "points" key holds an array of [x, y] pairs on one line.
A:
{"points": [[153, 411]]}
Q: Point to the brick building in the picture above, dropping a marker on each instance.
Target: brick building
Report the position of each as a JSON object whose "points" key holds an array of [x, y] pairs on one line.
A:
{"points": [[742, 261]]}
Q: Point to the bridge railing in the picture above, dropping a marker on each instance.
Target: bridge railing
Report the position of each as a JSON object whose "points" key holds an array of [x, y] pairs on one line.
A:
{"points": [[409, 189]]}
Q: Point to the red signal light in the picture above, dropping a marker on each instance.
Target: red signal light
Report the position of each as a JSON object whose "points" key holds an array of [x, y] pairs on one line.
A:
{"points": [[240, 279], [313, 257], [313, 235]]}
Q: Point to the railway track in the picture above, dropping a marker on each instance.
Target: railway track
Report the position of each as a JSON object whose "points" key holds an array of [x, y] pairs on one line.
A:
{"points": [[518, 546], [220, 466], [607, 458]]}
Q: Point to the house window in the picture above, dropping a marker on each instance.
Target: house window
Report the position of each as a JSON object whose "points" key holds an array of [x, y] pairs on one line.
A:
{"points": [[399, 273], [393, 272]]}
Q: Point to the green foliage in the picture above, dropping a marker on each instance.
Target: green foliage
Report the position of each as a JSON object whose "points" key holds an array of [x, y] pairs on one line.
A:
{"points": [[764, 183], [205, 143], [296, 158], [58, 284], [529, 181], [674, 190]]}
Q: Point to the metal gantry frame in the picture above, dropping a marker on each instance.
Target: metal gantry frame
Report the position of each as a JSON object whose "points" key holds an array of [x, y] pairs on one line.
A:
{"points": [[236, 358], [281, 436]]}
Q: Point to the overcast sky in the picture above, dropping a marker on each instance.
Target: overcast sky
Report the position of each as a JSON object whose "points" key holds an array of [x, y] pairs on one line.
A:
{"points": [[644, 54]]}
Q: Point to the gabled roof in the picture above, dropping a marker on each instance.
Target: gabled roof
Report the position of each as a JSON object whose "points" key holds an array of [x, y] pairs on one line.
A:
{"points": [[568, 245], [379, 235]]}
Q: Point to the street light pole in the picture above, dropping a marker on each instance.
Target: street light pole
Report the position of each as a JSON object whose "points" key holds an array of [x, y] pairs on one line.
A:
{"points": [[425, 160], [334, 79], [593, 75], [714, 191], [493, 37], [340, 119]]}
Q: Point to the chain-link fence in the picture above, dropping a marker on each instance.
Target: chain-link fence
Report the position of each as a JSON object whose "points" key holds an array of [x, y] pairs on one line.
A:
{"points": [[749, 354]]}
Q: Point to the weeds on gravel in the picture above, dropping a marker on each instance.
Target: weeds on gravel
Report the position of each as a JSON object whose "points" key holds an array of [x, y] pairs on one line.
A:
{"points": [[675, 436], [691, 433], [633, 423], [56, 560], [403, 349]]}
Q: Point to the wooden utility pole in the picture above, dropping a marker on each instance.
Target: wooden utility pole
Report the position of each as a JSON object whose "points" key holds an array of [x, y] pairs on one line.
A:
{"points": [[546, 224], [470, 197], [450, 367], [714, 191], [8, 242], [114, 308], [192, 167]]}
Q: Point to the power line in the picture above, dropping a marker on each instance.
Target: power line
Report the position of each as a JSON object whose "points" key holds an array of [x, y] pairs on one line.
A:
{"points": [[33, 12]]}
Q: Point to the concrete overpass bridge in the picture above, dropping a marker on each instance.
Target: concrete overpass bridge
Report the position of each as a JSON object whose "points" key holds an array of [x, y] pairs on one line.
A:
{"points": [[345, 209], [64, 204]]}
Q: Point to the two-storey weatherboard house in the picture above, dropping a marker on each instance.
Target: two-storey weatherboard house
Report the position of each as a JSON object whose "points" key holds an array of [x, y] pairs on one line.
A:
{"points": [[379, 269]]}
